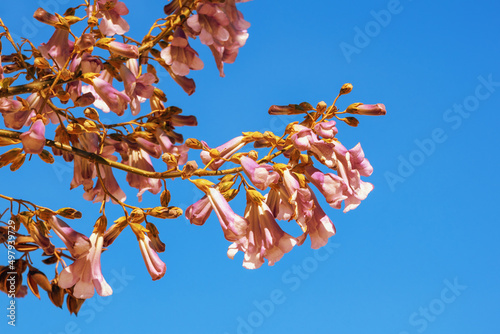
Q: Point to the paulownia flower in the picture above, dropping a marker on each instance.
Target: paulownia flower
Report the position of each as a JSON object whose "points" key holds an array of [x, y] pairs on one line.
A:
{"points": [[85, 273], [264, 238]]}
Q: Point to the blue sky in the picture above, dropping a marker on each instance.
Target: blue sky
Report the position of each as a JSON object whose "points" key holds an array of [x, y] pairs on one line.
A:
{"points": [[420, 255]]}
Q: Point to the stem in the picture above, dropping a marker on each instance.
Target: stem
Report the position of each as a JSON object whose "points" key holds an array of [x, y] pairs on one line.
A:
{"points": [[97, 159]]}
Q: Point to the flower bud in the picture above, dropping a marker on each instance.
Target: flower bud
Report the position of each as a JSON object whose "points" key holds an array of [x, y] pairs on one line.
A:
{"points": [[69, 213], [194, 144], [367, 109], [346, 89]]}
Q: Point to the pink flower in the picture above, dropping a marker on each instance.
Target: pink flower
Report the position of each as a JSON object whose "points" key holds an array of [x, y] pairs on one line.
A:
{"points": [[84, 171], [97, 193], [138, 88], [180, 56], [199, 212], [140, 159], [156, 267], [301, 198], [357, 190], [264, 238], [76, 243], [180, 152], [125, 50], [319, 227], [186, 84], [85, 273], [233, 226], [359, 162], [330, 185], [115, 100], [261, 175], [226, 150], [326, 129], [222, 28], [303, 138], [59, 47], [111, 11], [278, 202], [34, 139]]}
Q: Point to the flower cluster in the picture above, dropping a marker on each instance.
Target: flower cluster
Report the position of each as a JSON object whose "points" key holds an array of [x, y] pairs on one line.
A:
{"points": [[72, 81], [290, 196]]}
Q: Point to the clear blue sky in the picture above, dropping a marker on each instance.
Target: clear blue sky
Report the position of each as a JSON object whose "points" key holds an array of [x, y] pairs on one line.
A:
{"points": [[420, 255]]}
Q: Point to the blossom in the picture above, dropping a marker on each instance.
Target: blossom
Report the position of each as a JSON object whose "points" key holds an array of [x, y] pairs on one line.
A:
{"points": [[186, 84], [122, 49], [59, 47], [155, 266], [180, 56], [140, 159], [331, 186], [85, 273], [222, 28], [278, 202], [97, 194], [233, 225], [261, 175], [225, 151], [115, 100], [76, 243], [319, 227], [138, 88], [84, 170], [34, 139], [357, 190], [300, 197], [199, 212], [264, 238], [111, 12], [326, 129], [179, 152]]}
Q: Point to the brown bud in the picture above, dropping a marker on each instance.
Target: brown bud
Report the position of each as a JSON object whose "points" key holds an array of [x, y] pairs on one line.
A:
{"points": [[194, 144], [165, 198], [346, 89], [50, 260], [230, 194], [47, 157], [8, 141], [17, 162], [56, 294], [189, 168], [165, 213], [75, 129], [69, 213], [225, 186], [321, 107], [41, 63], [37, 278], [253, 155], [66, 74], [93, 21], [352, 121], [63, 96], [9, 156], [74, 304], [136, 216]]}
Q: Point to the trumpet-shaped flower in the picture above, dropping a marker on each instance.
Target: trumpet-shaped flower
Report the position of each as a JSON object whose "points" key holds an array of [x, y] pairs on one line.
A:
{"points": [[85, 273], [264, 238], [34, 139]]}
